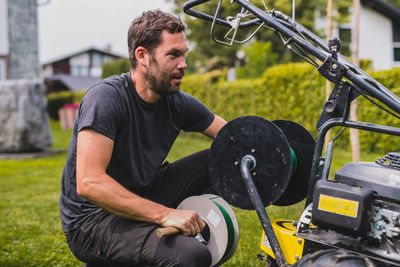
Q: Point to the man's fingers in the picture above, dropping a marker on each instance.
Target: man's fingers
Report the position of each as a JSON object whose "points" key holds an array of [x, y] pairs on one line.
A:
{"points": [[189, 230], [201, 223], [196, 228]]}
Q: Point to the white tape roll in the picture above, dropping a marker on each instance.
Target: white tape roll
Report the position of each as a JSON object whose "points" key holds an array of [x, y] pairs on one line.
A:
{"points": [[224, 235], [225, 205]]}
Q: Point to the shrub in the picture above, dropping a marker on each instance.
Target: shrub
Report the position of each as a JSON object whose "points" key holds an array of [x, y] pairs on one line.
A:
{"points": [[113, 67], [55, 101], [296, 92]]}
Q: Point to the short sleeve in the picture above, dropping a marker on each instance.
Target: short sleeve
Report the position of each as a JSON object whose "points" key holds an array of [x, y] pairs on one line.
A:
{"points": [[101, 110], [196, 116]]}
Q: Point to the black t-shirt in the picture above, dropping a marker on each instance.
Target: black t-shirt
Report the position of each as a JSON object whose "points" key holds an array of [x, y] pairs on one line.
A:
{"points": [[143, 134]]}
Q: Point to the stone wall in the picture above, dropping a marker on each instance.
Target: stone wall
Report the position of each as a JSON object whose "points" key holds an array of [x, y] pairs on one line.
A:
{"points": [[23, 39], [24, 121]]}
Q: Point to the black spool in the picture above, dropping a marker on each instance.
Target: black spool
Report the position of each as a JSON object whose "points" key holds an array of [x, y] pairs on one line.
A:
{"points": [[256, 136], [303, 144]]}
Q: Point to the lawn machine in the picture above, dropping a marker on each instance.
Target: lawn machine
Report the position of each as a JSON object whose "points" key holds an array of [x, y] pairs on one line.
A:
{"points": [[350, 220]]}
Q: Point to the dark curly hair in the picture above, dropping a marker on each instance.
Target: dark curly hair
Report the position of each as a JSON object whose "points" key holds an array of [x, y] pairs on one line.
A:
{"points": [[146, 31]]}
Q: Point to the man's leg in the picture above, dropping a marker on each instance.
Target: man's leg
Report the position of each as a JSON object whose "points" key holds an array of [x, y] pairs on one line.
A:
{"points": [[181, 179], [175, 182], [109, 240]]}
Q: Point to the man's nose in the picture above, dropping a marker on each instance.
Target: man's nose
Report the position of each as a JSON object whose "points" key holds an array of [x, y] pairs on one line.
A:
{"points": [[182, 64]]}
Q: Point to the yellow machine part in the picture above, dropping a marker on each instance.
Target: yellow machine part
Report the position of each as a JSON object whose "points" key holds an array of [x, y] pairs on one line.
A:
{"points": [[292, 246]]}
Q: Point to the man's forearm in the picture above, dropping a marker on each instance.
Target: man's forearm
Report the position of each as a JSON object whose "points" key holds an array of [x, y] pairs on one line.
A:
{"points": [[106, 193]]}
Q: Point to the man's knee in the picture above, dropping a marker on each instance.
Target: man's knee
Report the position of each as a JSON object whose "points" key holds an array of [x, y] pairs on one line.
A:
{"points": [[198, 256], [179, 250]]}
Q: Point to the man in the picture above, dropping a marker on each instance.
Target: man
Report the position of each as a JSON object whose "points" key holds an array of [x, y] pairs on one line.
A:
{"points": [[115, 190]]}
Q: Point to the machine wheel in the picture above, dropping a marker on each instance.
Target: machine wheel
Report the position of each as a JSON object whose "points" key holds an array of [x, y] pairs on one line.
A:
{"points": [[334, 257]]}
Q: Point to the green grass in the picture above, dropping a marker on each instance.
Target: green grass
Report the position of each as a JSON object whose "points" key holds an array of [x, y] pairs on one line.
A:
{"points": [[30, 228]]}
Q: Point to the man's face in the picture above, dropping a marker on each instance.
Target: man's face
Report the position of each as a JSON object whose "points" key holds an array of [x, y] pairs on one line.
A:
{"points": [[167, 64]]}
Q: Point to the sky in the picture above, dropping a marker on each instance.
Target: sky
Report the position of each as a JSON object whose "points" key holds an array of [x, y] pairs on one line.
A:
{"points": [[69, 26]]}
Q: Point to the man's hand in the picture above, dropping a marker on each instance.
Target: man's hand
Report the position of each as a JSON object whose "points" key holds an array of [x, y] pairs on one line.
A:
{"points": [[188, 221]]}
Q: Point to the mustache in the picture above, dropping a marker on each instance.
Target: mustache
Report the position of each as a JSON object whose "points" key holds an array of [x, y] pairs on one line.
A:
{"points": [[179, 74]]}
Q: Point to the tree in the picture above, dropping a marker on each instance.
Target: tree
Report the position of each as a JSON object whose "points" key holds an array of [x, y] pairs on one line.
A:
{"points": [[206, 54], [258, 57]]}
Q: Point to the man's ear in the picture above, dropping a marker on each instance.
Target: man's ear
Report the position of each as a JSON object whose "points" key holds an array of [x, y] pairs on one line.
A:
{"points": [[142, 55]]}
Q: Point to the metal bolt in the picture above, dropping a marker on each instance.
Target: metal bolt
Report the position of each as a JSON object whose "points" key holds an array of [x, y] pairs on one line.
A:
{"points": [[378, 226], [321, 163], [253, 150], [254, 173], [334, 66], [236, 163], [296, 257], [299, 240]]}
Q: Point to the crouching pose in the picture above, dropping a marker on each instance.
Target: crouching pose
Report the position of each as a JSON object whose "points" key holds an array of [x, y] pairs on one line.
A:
{"points": [[116, 187]]}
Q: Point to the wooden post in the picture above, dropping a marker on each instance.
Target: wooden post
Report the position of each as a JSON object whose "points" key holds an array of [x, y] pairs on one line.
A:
{"points": [[328, 84], [354, 133]]}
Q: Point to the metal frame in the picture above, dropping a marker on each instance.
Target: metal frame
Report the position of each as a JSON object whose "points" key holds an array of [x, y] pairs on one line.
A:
{"points": [[334, 67]]}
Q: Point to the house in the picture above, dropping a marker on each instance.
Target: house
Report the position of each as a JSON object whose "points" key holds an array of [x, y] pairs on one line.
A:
{"points": [[77, 71], [19, 48], [379, 34]]}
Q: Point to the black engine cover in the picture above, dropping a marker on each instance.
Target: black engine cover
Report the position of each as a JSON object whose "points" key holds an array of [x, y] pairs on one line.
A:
{"points": [[382, 180], [342, 207]]}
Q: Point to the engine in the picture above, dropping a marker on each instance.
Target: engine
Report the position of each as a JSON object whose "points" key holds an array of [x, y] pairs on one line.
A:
{"points": [[363, 202]]}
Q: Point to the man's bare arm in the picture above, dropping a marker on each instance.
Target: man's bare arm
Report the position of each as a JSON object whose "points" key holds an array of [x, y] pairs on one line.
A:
{"points": [[215, 126], [93, 183]]}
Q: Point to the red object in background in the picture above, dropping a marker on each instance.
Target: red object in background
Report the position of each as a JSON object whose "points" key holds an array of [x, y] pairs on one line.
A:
{"points": [[67, 115]]}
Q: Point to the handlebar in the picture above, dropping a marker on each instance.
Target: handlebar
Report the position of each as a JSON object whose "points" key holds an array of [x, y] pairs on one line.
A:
{"points": [[282, 23], [187, 8]]}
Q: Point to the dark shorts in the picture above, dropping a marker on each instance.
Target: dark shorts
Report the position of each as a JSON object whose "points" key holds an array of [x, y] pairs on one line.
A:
{"points": [[109, 240]]}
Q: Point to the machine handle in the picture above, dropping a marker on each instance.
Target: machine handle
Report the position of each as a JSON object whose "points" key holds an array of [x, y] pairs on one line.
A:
{"points": [[187, 8], [166, 231]]}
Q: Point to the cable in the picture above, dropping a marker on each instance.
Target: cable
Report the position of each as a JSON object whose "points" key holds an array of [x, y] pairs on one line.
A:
{"points": [[373, 102], [339, 134]]}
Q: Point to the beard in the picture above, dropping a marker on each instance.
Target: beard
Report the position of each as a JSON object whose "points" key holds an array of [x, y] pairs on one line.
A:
{"points": [[160, 81]]}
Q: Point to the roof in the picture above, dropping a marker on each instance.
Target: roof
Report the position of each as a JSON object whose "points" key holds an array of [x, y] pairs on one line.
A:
{"points": [[86, 50], [384, 8], [71, 82]]}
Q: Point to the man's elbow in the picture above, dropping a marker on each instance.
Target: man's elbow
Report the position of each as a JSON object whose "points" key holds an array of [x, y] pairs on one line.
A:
{"points": [[84, 186]]}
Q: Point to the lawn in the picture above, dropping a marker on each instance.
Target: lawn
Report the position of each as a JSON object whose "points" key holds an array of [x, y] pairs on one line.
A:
{"points": [[30, 229]]}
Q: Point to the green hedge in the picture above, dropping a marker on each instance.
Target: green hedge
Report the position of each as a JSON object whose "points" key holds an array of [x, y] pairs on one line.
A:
{"points": [[294, 91], [279, 94], [371, 113], [56, 101], [116, 66]]}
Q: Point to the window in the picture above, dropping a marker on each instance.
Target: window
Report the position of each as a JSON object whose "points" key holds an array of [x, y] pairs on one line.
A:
{"points": [[79, 71], [396, 52], [96, 60], [396, 41], [2, 69], [106, 58]]}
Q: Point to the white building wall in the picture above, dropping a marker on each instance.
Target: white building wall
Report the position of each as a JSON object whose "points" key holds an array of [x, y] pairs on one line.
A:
{"points": [[376, 39], [80, 60], [47, 70], [96, 72], [3, 28]]}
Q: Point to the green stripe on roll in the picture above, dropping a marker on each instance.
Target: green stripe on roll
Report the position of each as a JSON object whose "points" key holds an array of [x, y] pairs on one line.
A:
{"points": [[229, 224], [294, 162]]}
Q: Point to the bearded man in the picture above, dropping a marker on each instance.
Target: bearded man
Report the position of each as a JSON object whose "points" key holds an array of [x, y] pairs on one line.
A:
{"points": [[116, 188]]}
